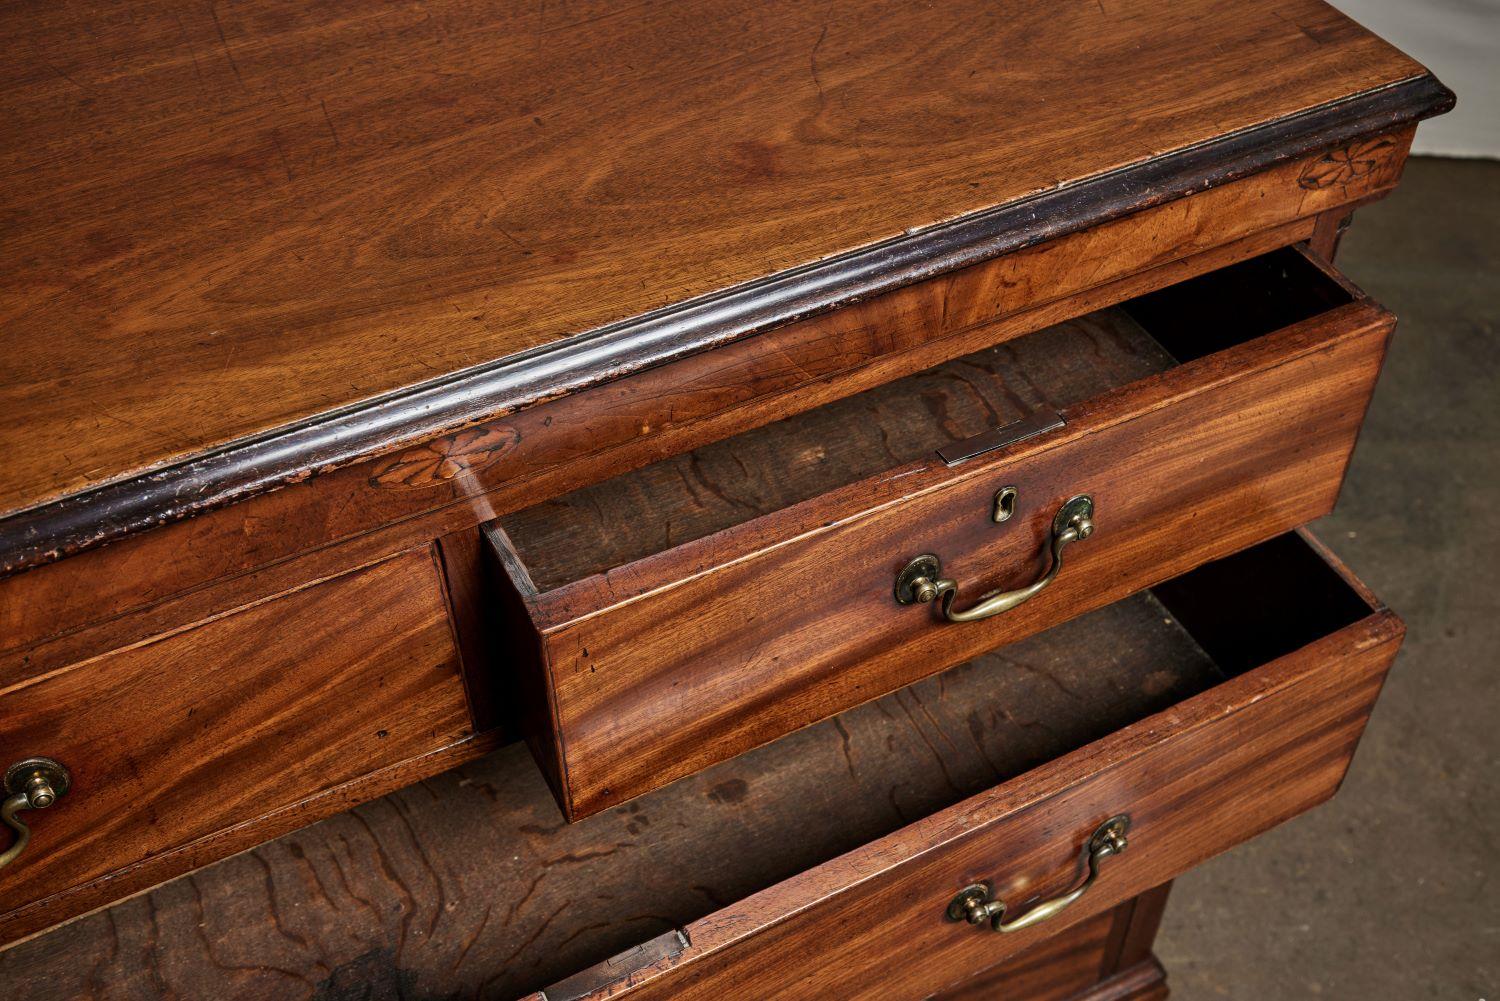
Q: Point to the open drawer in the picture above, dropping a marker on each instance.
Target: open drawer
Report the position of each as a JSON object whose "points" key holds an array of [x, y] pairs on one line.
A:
{"points": [[1201, 714], [820, 865], [683, 613]]}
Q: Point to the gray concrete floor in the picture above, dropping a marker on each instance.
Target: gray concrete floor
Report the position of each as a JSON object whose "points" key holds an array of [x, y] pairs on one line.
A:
{"points": [[1389, 890]]}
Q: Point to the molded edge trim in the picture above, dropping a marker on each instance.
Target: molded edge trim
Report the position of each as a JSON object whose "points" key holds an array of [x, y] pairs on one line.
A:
{"points": [[260, 463]]}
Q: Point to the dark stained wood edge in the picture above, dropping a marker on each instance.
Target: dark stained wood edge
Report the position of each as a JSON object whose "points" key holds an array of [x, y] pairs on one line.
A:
{"points": [[298, 451], [195, 568]]}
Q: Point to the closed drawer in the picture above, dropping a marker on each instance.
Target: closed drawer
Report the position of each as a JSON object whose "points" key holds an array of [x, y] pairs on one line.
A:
{"points": [[683, 613], [1264, 666], [175, 740]]}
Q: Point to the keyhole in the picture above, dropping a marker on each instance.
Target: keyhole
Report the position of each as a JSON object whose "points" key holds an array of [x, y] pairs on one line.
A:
{"points": [[1005, 504]]}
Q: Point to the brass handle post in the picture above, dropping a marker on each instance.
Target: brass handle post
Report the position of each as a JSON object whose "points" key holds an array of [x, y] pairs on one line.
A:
{"points": [[976, 905], [30, 784], [922, 581]]}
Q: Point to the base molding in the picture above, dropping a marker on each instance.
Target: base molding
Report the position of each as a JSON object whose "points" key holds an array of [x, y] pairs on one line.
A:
{"points": [[1145, 981], [1105, 957]]}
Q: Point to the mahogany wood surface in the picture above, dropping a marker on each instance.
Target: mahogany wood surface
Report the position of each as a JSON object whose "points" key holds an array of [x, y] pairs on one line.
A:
{"points": [[142, 572], [557, 446], [1137, 937], [468, 883], [627, 518], [473, 886], [688, 656], [1050, 972], [1057, 969], [1219, 768], [189, 734], [338, 284], [1146, 981], [1091, 961], [233, 224]]}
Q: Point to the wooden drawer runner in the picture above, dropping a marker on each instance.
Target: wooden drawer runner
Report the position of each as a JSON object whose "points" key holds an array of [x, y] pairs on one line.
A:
{"points": [[683, 613], [178, 738], [1287, 654]]}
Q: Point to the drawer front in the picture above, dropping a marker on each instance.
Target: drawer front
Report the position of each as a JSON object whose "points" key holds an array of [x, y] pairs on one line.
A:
{"points": [[175, 739], [1194, 780], [1060, 967], [659, 668]]}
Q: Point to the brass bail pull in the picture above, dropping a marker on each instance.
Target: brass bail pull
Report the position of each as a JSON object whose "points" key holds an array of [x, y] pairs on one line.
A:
{"points": [[32, 784], [922, 580], [975, 905]]}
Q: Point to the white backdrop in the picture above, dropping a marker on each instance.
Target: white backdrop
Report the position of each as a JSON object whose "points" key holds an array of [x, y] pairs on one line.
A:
{"points": [[1459, 40]]}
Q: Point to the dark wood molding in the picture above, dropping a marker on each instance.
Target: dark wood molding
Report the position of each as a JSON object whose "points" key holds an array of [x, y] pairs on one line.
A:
{"points": [[296, 452]]}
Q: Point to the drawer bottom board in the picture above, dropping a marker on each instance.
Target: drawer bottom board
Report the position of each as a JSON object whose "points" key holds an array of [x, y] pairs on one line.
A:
{"points": [[471, 880]]}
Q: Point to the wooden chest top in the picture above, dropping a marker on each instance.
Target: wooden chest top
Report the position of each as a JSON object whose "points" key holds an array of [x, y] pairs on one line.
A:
{"points": [[246, 242]]}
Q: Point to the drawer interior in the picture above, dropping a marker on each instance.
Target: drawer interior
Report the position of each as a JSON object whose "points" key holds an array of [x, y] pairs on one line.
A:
{"points": [[677, 854], [686, 497]]}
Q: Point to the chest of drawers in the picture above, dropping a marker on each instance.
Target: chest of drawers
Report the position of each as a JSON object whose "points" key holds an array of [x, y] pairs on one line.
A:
{"points": [[754, 501]]}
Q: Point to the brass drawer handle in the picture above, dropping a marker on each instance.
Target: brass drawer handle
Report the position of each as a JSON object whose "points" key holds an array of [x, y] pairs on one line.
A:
{"points": [[922, 579], [975, 905], [32, 784]]}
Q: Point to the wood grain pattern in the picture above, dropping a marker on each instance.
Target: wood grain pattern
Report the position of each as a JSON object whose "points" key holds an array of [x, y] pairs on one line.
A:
{"points": [[1055, 971], [213, 211], [1146, 981], [658, 667], [1217, 769], [132, 573], [655, 410], [191, 733], [595, 434], [475, 887], [618, 521], [469, 885], [384, 329], [1058, 969]]}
